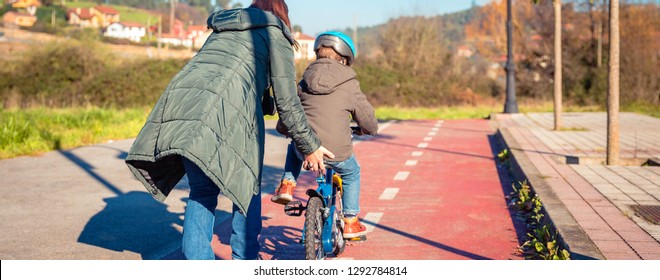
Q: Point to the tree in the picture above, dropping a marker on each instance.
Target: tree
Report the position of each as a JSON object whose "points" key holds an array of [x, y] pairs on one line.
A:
{"points": [[558, 63], [613, 87]]}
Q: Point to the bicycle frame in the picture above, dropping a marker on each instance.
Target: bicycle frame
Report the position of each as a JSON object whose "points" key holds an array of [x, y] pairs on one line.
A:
{"points": [[329, 191], [329, 195]]}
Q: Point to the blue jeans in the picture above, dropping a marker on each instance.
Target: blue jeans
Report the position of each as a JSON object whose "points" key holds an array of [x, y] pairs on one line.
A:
{"points": [[199, 220], [349, 170]]}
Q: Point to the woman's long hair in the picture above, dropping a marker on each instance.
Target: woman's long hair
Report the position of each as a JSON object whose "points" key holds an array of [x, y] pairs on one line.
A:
{"points": [[279, 9]]}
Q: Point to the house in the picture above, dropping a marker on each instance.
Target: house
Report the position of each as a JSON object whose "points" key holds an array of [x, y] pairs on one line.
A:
{"points": [[125, 30], [464, 51], [170, 39], [18, 19], [178, 36], [30, 6], [197, 35], [96, 17], [106, 14], [178, 30], [306, 51], [82, 17]]}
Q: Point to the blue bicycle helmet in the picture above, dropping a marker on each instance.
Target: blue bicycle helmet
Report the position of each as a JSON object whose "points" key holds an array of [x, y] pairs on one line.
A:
{"points": [[339, 42]]}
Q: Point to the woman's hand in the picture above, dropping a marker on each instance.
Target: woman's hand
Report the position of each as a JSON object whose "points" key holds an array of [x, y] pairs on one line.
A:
{"points": [[314, 161]]}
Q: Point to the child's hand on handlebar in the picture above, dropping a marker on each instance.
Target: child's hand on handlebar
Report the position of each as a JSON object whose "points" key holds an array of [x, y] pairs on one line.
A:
{"points": [[356, 130]]}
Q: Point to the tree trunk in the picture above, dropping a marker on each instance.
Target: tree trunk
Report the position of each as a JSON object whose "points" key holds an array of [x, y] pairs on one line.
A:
{"points": [[558, 65], [600, 34], [599, 46], [613, 88]]}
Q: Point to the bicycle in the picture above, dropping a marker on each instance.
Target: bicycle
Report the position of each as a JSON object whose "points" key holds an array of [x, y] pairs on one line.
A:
{"points": [[323, 231]]}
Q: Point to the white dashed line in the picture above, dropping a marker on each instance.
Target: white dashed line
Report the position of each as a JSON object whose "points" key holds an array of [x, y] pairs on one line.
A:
{"points": [[435, 129], [385, 125], [433, 133], [411, 162], [422, 145], [389, 194], [417, 153], [427, 139], [371, 220], [401, 176]]}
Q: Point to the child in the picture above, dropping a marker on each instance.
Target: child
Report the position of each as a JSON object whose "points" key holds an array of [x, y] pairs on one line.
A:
{"points": [[331, 97]]}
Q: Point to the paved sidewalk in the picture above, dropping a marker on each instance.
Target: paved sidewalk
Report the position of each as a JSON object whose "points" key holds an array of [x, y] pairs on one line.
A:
{"points": [[594, 206]]}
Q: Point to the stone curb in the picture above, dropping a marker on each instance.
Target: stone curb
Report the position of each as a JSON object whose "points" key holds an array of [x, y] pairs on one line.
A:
{"points": [[570, 233]]}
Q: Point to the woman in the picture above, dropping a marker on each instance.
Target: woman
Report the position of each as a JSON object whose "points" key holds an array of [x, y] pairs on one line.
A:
{"points": [[209, 124]]}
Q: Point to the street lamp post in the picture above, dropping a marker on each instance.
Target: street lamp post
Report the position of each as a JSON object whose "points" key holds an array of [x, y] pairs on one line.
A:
{"points": [[511, 106]]}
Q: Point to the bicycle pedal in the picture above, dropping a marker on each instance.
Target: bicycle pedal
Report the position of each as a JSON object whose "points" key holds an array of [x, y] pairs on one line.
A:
{"points": [[294, 208], [357, 239]]}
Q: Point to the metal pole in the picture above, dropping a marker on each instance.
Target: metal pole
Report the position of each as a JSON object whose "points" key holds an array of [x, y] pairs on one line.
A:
{"points": [[511, 106]]}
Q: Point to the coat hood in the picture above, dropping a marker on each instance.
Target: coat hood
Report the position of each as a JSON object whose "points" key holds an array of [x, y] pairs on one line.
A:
{"points": [[324, 75], [246, 19]]}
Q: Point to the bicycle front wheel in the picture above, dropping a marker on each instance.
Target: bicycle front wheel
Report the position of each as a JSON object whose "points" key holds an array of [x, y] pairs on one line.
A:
{"points": [[314, 229]]}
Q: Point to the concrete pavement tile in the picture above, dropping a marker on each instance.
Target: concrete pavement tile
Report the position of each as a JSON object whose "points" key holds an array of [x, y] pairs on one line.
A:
{"points": [[621, 256], [620, 197], [608, 210], [637, 235], [607, 247], [640, 198], [593, 224], [603, 234], [633, 191], [601, 202], [645, 247]]}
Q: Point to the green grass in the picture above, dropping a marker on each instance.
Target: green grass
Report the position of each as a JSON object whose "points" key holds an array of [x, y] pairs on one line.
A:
{"points": [[445, 113], [125, 13], [39, 130], [35, 131]]}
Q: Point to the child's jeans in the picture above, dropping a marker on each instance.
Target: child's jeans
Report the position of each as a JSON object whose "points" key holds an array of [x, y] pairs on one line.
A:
{"points": [[349, 170]]}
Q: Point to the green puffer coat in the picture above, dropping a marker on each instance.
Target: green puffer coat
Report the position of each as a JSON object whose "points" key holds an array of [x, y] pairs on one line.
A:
{"points": [[211, 111]]}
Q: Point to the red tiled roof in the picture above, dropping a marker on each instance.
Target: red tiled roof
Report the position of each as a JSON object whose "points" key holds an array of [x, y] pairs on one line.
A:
{"points": [[197, 28], [106, 10], [131, 24], [83, 13], [302, 36]]}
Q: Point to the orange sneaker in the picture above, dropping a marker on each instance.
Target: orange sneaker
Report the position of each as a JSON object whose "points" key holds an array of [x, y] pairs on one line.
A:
{"points": [[353, 228], [284, 192]]}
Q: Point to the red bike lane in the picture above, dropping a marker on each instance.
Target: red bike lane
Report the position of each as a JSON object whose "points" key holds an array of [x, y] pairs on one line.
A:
{"points": [[431, 190]]}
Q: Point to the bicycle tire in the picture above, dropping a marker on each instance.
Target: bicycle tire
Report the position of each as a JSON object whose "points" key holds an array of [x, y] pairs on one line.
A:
{"points": [[314, 229]]}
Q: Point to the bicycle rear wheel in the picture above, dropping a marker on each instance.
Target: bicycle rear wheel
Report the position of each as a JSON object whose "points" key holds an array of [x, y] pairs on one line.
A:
{"points": [[314, 229]]}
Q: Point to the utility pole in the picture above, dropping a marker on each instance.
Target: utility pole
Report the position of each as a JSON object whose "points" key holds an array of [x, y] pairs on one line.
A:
{"points": [[355, 33], [172, 16], [613, 87], [160, 33], [511, 106]]}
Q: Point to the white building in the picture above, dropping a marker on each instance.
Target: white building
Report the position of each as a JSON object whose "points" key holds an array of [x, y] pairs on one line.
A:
{"points": [[306, 51], [126, 30]]}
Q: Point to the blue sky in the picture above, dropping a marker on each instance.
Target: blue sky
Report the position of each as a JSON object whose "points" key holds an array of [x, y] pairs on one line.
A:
{"points": [[316, 16]]}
